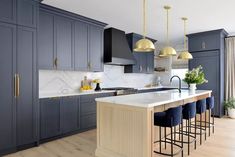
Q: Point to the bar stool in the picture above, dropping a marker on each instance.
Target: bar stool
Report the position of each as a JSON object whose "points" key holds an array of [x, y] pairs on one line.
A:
{"points": [[189, 112], [169, 119], [210, 105], [201, 108]]}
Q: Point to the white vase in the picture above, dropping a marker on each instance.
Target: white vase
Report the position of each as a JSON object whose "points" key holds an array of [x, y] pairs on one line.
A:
{"points": [[192, 87], [231, 113]]}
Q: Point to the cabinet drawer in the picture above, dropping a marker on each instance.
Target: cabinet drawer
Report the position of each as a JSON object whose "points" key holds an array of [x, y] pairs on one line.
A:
{"points": [[88, 108], [204, 42], [88, 121]]}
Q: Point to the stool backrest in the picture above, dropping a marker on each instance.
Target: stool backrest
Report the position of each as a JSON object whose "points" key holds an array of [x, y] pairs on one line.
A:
{"points": [[210, 102], [174, 115], [201, 106], [189, 110]]}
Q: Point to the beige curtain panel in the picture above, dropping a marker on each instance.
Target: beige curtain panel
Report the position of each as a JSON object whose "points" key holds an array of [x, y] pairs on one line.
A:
{"points": [[230, 68]]}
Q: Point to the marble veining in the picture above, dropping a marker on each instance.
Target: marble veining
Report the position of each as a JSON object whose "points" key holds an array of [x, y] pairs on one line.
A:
{"points": [[54, 81]]}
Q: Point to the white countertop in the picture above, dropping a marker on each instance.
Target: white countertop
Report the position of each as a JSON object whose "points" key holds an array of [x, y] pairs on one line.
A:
{"points": [[152, 99], [53, 95]]}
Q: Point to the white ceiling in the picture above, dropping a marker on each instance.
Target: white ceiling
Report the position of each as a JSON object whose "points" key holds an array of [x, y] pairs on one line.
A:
{"points": [[127, 15]]}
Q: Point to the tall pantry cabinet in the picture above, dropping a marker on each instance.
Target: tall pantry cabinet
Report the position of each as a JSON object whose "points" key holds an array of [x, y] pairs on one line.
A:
{"points": [[18, 80]]}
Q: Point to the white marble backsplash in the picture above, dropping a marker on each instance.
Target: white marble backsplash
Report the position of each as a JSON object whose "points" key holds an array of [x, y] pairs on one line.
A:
{"points": [[54, 81]]}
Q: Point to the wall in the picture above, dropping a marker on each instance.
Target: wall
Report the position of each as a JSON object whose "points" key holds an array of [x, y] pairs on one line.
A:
{"points": [[70, 81]]}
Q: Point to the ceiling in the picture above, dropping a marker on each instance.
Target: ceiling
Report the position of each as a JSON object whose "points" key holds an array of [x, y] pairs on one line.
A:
{"points": [[127, 15]]}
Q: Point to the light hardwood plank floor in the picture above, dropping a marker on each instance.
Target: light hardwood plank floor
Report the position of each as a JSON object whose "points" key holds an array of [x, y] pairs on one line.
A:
{"points": [[220, 144]]}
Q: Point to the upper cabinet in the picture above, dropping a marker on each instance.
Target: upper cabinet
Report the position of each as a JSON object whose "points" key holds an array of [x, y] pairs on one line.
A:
{"points": [[46, 41], [68, 41], [63, 43], [88, 47], [21, 12], [144, 60], [8, 11], [24, 7], [95, 49]]}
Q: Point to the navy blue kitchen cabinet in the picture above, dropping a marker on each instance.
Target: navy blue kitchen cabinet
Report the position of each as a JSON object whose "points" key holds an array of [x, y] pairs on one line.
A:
{"points": [[144, 61], [207, 49], [49, 118], [21, 12], [70, 111], [67, 115], [46, 53], [18, 113], [77, 41], [8, 102], [63, 43], [27, 12], [81, 44], [8, 11], [27, 100], [95, 48]]}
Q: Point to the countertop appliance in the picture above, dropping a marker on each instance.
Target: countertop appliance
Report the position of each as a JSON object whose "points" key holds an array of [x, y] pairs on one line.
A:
{"points": [[122, 90]]}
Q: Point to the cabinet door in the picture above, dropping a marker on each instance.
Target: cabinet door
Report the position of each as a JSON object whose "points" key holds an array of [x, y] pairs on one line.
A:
{"points": [[69, 114], [143, 62], [204, 42], [49, 118], [8, 11], [46, 41], [27, 100], [81, 46], [96, 49], [209, 60], [7, 69], [64, 43], [150, 62], [27, 11]]}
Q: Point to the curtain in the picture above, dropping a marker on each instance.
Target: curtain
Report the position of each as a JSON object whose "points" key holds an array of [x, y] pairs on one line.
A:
{"points": [[230, 68]]}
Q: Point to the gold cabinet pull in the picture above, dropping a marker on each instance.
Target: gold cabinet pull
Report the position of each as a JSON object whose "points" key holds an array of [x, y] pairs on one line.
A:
{"points": [[18, 85], [15, 86], [56, 63]]}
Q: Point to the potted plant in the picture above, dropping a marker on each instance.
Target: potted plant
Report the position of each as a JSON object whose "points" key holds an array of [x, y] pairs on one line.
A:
{"points": [[229, 106], [195, 77]]}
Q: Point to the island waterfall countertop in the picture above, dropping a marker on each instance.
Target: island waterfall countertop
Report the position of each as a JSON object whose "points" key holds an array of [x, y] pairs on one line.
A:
{"points": [[152, 99]]}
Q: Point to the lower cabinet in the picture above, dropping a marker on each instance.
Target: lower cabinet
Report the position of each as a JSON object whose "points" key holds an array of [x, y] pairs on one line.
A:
{"points": [[49, 117], [65, 115], [69, 110]]}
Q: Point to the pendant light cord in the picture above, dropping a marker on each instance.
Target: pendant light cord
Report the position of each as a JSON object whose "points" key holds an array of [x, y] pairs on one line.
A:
{"points": [[167, 27], [185, 46], [144, 19]]}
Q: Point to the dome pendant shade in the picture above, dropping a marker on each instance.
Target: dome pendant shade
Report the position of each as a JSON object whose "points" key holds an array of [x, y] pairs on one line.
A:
{"points": [[144, 45], [185, 55], [167, 51]]}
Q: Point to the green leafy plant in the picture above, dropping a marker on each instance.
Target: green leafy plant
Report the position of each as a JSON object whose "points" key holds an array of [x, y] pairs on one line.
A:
{"points": [[196, 75], [229, 104]]}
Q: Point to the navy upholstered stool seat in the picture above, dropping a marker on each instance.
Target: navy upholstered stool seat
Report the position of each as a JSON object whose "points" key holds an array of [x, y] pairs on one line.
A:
{"points": [[210, 105], [189, 112], [201, 108], [169, 119]]}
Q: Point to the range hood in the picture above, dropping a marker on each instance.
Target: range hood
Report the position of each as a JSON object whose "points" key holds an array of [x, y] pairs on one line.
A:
{"points": [[116, 48]]}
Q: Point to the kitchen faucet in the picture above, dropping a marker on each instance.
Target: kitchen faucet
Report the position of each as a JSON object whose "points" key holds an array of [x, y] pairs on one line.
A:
{"points": [[179, 82]]}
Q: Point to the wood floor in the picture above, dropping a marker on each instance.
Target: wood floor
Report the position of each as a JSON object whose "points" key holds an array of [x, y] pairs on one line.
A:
{"points": [[221, 144]]}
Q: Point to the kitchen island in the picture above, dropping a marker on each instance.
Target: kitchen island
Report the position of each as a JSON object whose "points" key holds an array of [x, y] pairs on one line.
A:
{"points": [[125, 124]]}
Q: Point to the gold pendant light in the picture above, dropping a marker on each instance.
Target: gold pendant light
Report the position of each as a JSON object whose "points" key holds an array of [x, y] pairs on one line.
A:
{"points": [[185, 55], [144, 45], [168, 50]]}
